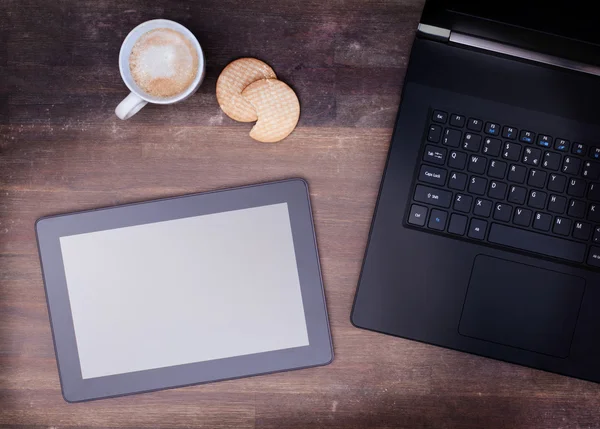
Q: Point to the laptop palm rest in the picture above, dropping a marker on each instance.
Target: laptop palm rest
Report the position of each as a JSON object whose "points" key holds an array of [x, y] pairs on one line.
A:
{"points": [[521, 306]]}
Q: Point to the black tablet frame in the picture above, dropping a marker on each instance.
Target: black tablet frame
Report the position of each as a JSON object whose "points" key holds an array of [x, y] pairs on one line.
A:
{"points": [[294, 192]]}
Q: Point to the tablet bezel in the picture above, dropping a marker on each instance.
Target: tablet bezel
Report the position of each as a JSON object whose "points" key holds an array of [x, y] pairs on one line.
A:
{"points": [[294, 192]]}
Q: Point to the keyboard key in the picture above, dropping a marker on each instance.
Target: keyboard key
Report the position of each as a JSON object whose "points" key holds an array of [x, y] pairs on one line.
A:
{"points": [[512, 151], [594, 213], [451, 137], [458, 181], [591, 170], [477, 229], [537, 178], [437, 220], [582, 231], [537, 199], [497, 169], [571, 165], [522, 217], [435, 155], [532, 156], [492, 147], [472, 142], [557, 204], [537, 243], [457, 120], [462, 203], [576, 209], [562, 226], [417, 216], [544, 140], [434, 134], [594, 192], [439, 116], [562, 145], [576, 188], [457, 160], [509, 133], [552, 161], [435, 197], [557, 183], [482, 208], [594, 257], [492, 129], [433, 175], [458, 224], [517, 173], [477, 164], [474, 124], [502, 212], [520, 183], [477, 185], [542, 221], [517, 195], [526, 136], [579, 149], [497, 190]]}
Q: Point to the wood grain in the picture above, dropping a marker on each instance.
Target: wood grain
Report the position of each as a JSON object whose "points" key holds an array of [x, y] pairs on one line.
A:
{"points": [[62, 149]]}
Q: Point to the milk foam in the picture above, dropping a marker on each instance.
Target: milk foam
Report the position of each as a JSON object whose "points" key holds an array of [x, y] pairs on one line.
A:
{"points": [[163, 62]]}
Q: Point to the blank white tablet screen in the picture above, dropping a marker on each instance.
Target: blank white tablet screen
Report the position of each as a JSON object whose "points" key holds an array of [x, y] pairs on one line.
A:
{"points": [[183, 291]]}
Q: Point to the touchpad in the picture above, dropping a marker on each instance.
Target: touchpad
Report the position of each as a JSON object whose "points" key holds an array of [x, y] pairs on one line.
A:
{"points": [[521, 306]]}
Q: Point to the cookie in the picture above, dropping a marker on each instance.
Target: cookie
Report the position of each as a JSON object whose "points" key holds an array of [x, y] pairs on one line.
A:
{"points": [[232, 81], [277, 108]]}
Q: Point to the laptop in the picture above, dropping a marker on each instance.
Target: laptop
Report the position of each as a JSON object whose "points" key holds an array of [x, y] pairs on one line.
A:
{"points": [[486, 232]]}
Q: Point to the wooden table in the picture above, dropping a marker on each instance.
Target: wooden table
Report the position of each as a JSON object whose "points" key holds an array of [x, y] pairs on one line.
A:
{"points": [[62, 149]]}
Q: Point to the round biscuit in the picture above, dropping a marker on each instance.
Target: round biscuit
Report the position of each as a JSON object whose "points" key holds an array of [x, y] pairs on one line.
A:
{"points": [[277, 107], [232, 81]]}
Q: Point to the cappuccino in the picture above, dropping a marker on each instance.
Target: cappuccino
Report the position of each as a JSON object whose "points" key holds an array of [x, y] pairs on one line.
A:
{"points": [[163, 62]]}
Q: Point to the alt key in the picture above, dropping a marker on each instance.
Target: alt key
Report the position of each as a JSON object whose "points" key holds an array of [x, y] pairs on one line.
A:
{"points": [[594, 257]]}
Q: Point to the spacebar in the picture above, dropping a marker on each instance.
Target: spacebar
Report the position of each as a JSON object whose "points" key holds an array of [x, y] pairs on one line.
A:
{"points": [[538, 243]]}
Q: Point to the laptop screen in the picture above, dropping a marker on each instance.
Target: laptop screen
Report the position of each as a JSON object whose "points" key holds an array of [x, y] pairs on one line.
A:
{"points": [[570, 19], [566, 29]]}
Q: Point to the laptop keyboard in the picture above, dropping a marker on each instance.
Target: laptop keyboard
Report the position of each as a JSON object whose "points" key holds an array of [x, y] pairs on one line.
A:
{"points": [[489, 182]]}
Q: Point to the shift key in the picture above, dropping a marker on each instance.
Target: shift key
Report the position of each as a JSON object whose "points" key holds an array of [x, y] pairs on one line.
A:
{"points": [[435, 197]]}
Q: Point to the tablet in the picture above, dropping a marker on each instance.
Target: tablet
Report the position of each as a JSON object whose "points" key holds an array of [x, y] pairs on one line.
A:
{"points": [[184, 290]]}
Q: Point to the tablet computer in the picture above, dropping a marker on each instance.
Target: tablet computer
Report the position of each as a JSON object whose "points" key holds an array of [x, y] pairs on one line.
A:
{"points": [[184, 290]]}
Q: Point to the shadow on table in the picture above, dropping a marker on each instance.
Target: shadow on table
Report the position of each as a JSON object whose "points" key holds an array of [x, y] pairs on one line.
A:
{"points": [[393, 410]]}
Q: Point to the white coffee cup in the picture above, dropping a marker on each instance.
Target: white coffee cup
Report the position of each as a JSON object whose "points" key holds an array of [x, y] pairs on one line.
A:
{"points": [[138, 98]]}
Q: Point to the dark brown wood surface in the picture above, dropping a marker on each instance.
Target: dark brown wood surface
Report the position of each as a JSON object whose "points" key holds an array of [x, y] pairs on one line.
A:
{"points": [[62, 149]]}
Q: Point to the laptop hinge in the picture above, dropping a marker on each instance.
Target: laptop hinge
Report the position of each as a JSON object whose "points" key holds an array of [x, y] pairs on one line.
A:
{"points": [[525, 54], [433, 32]]}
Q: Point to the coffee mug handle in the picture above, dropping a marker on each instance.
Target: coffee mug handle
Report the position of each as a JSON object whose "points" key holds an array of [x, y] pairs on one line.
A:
{"points": [[129, 106]]}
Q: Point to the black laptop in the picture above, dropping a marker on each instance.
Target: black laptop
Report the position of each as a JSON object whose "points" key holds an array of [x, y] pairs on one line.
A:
{"points": [[486, 233]]}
